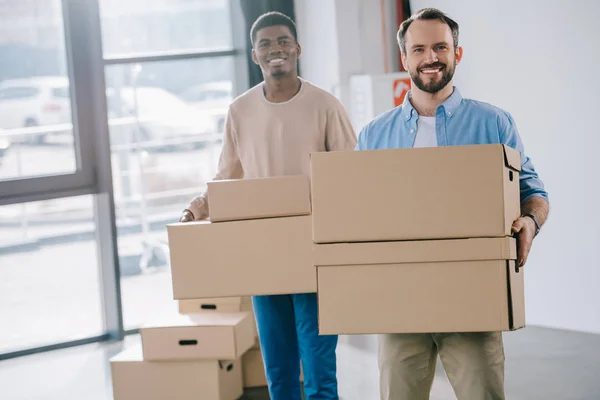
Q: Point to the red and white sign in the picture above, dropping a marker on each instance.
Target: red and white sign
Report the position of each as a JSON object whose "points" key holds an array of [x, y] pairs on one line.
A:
{"points": [[401, 88]]}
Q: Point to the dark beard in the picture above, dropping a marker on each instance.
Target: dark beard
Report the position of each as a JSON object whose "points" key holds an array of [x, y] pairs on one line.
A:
{"points": [[433, 86], [278, 74]]}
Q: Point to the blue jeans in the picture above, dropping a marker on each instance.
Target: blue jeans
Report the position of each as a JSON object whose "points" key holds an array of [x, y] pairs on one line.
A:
{"points": [[288, 332]]}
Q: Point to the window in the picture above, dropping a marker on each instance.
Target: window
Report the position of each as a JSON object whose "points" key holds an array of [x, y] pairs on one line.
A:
{"points": [[164, 150], [100, 147], [12, 93], [36, 133], [49, 280], [142, 26]]}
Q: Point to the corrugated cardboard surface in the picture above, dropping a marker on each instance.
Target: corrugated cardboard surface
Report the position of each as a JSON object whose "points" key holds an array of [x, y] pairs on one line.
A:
{"points": [[419, 286], [249, 308], [254, 369], [216, 336], [133, 378], [241, 199], [414, 194], [458, 296], [242, 258], [224, 304], [504, 248]]}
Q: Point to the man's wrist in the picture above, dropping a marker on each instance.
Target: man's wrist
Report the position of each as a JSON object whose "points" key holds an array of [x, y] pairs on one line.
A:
{"points": [[535, 222], [191, 213]]}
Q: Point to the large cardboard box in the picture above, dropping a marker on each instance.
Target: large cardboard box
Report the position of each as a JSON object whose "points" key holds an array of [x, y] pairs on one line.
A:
{"points": [[463, 285], [240, 199], [134, 378], [215, 336], [253, 369], [249, 308], [242, 258], [224, 304], [413, 194]]}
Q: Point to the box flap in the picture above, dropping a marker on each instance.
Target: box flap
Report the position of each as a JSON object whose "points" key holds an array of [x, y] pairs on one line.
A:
{"points": [[198, 319], [516, 295], [512, 158], [476, 249], [131, 354]]}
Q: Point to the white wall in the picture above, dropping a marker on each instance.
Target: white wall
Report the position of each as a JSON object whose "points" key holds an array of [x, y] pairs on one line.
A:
{"points": [[538, 59], [341, 38]]}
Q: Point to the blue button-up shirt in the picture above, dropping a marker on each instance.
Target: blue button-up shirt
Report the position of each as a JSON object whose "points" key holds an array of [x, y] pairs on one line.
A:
{"points": [[458, 121]]}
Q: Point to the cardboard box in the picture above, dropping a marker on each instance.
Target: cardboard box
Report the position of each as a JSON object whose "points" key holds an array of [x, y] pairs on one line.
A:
{"points": [[240, 199], [214, 336], [413, 194], [253, 369], [134, 378], [464, 285], [242, 258], [225, 304], [249, 308]]}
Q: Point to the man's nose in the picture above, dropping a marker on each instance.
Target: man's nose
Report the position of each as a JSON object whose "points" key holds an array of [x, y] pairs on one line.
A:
{"points": [[431, 56]]}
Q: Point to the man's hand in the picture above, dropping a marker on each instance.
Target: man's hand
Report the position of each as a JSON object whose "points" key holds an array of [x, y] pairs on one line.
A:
{"points": [[525, 228], [187, 216]]}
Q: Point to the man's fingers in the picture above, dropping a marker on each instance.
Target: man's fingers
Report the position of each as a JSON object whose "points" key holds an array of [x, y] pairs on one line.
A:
{"points": [[523, 248], [517, 226]]}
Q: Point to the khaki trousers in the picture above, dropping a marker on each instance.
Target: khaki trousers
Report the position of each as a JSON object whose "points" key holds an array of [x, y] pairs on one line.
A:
{"points": [[474, 364]]}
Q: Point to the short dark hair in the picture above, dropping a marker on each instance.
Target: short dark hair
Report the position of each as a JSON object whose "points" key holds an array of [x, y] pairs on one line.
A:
{"points": [[427, 14], [272, 18]]}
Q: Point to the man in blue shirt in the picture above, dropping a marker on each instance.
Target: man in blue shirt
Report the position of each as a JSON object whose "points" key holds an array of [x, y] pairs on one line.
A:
{"points": [[435, 114]]}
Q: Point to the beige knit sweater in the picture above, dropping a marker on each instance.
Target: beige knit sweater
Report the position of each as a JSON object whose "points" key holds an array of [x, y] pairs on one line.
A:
{"points": [[264, 139]]}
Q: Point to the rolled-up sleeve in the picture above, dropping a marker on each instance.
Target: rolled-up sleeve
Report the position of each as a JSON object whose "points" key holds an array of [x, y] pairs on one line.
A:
{"points": [[530, 182]]}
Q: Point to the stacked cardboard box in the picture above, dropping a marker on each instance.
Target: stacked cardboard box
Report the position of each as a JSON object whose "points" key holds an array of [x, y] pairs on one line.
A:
{"points": [[258, 241], [417, 240], [182, 357]]}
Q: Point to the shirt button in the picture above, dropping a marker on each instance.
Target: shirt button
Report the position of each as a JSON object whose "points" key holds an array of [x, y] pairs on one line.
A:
{"points": [[449, 113], [412, 131]]}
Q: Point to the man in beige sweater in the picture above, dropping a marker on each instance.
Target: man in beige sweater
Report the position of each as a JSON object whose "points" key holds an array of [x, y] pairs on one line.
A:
{"points": [[270, 131]]}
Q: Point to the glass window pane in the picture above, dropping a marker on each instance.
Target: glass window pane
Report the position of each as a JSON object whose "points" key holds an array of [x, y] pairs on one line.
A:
{"points": [[164, 150], [49, 277], [36, 137], [146, 26]]}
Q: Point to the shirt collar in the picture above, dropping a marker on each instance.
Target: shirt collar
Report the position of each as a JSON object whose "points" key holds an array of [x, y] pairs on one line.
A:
{"points": [[450, 105]]}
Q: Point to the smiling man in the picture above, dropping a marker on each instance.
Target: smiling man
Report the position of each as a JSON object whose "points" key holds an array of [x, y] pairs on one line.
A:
{"points": [[435, 114], [270, 131]]}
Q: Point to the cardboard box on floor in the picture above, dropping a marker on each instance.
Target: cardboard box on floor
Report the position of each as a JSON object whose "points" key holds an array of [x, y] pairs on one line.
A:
{"points": [[463, 285], [242, 258], [240, 199], [208, 335], [254, 369], [413, 194], [249, 308], [224, 304], [135, 378]]}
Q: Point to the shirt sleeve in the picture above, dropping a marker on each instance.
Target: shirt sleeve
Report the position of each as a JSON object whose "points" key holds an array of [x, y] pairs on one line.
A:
{"points": [[362, 139], [339, 133], [229, 167], [530, 183]]}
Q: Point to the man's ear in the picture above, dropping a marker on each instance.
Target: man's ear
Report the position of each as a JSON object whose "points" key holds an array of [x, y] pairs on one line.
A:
{"points": [[458, 53], [403, 58], [254, 58], [299, 49]]}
